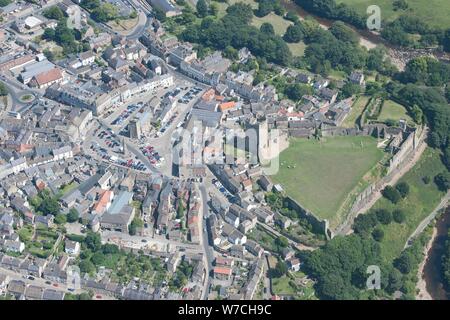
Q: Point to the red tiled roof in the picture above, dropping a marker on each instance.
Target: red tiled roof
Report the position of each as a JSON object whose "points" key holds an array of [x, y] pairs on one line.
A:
{"points": [[208, 95], [222, 270], [227, 105], [48, 76], [103, 201], [224, 261]]}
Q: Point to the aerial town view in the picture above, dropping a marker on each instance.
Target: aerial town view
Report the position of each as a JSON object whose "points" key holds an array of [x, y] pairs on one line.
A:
{"points": [[225, 150]]}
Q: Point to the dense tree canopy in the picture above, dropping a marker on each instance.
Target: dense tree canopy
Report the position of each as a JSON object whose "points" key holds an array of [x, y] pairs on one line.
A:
{"points": [[403, 189], [445, 264], [104, 13], [400, 31], [335, 265], [3, 89], [4, 3], [442, 180], [294, 33], [426, 70], [343, 32], [53, 12], [73, 215], [331, 10], [267, 28], [202, 8], [391, 194], [234, 30]]}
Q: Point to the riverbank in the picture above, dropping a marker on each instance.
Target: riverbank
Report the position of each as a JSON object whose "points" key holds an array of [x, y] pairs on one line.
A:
{"points": [[423, 293], [430, 272]]}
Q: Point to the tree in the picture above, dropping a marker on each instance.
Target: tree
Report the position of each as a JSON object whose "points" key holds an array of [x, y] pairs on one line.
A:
{"points": [[90, 4], [267, 28], [132, 230], [378, 234], [73, 215], [297, 90], [404, 263], [60, 218], [384, 216], [434, 140], [349, 89], [398, 216], [159, 14], [214, 9], [85, 296], [343, 33], [54, 12], [49, 204], [292, 16], [87, 266], [395, 281], [202, 8], [231, 53], [426, 179], [282, 242], [335, 264], [416, 114], [104, 13], [242, 11], [4, 3], [364, 222], [264, 8], [3, 89], [403, 189], [400, 5], [98, 258], [136, 223], [93, 241], [446, 157], [49, 34], [280, 269], [109, 248], [294, 33], [180, 209], [391, 194], [442, 181], [133, 14]]}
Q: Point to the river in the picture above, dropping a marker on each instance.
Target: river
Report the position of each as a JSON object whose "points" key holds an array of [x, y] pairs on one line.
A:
{"points": [[368, 39], [371, 39], [432, 272]]}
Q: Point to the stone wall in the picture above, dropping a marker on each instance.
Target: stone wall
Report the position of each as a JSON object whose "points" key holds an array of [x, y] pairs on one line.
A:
{"points": [[405, 154], [319, 225]]}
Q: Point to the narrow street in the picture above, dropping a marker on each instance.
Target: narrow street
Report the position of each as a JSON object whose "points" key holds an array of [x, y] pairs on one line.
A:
{"points": [[208, 253]]}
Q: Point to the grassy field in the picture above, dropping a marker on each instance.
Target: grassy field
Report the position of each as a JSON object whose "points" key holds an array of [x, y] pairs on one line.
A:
{"points": [[279, 24], [223, 6], [420, 202], [357, 108], [297, 49], [123, 25], [394, 111], [435, 12], [288, 285], [337, 75], [320, 175]]}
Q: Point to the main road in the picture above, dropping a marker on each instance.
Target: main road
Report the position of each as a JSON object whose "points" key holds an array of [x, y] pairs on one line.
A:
{"points": [[208, 252]]}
